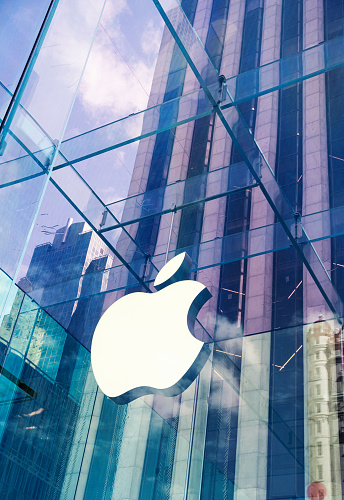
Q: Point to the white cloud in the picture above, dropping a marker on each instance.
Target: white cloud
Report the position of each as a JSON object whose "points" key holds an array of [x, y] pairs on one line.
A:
{"points": [[117, 79], [113, 9], [151, 38], [108, 87]]}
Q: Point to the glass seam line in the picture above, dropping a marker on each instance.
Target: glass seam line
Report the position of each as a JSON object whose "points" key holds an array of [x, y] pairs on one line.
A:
{"points": [[191, 439], [86, 438], [19, 383], [255, 175]]}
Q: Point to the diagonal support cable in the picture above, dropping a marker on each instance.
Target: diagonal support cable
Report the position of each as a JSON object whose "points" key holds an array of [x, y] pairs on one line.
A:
{"points": [[194, 52]]}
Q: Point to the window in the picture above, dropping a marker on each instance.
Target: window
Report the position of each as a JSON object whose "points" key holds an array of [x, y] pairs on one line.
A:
{"points": [[319, 449], [318, 427], [317, 355], [318, 389]]}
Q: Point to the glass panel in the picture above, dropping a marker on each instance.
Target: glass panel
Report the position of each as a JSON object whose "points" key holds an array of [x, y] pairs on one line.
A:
{"points": [[175, 196], [122, 62], [47, 393], [265, 392], [242, 136], [132, 128], [60, 64], [32, 136]]}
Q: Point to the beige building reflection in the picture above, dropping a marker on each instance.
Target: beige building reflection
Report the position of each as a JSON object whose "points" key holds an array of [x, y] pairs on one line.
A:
{"points": [[324, 414]]}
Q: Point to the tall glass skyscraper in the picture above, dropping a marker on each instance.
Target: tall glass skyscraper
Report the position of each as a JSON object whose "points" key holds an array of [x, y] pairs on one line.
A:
{"points": [[211, 127]]}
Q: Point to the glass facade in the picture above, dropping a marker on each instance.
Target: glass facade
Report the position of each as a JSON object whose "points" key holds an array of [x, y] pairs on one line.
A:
{"points": [[131, 132]]}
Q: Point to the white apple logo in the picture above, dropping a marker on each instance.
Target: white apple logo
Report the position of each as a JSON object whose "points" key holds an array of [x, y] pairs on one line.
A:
{"points": [[143, 344]]}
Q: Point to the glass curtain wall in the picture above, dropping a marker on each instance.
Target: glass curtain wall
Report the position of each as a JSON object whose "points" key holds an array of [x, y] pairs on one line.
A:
{"points": [[104, 180]]}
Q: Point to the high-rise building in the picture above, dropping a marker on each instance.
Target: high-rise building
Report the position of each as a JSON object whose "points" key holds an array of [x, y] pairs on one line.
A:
{"points": [[236, 160], [66, 276]]}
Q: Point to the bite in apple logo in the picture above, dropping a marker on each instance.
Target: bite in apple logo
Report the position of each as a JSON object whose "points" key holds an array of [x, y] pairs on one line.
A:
{"points": [[143, 342]]}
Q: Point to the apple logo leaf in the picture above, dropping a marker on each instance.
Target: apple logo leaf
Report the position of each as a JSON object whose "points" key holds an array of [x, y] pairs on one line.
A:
{"points": [[143, 343], [174, 270]]}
